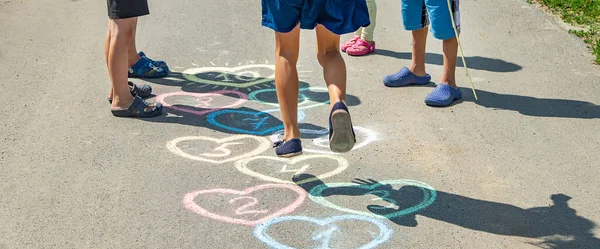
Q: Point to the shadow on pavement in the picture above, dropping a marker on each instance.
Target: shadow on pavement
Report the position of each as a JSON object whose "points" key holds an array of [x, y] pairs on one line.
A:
{"points": [[474, 62], [537, 107], [264, 88], [238, 120], [558, 225], [233, 121]]}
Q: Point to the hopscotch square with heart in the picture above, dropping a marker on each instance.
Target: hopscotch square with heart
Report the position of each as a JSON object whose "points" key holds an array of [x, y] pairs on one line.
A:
{"points": [[202, 103], [250, 206], [345, 231], [283, 170], [218, 150]]}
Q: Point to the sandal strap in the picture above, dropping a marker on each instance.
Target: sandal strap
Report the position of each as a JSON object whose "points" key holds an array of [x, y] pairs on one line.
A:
{"points": [[139, 105], [363, 43]]}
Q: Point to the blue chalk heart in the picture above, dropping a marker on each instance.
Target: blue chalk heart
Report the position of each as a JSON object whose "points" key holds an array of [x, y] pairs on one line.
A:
{"points": [[385, 232], [249, 122], [429, 196]]}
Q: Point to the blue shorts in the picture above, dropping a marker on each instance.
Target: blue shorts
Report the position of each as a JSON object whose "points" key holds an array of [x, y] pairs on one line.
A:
{"points": [[338, 16], [418, 14]]}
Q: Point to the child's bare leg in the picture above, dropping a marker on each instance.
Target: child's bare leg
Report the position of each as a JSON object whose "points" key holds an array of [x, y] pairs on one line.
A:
{"points": [[133, 53], [450, 50], [286, 80], [120, 36], [334, 68], [418, 51], [106, 48]]}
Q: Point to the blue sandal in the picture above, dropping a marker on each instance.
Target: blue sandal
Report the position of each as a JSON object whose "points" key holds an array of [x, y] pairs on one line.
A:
{"points": [[341, 132], [161, 64], [404, 78], [143, 91], [139, 109], [443, 95], [290, 148], [146, 68]]}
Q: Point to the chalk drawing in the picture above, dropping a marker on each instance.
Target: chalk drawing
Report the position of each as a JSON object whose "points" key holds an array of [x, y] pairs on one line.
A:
{"points": [[304, 102], [223, 152], [204, 101], [364, 137], [253, 202], [190, 203], [238, 77], [261, 231], [299, 162], [252, 122], [326, 236], [246, 77], [429, 196]]}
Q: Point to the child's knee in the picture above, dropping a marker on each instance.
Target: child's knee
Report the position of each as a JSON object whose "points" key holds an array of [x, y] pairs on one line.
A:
{"points": [[121, 35], [328, 54], [289, 54], [121, 30]]}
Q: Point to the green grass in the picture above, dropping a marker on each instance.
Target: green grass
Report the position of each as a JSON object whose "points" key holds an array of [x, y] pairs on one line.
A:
{"points": [[580, 12]]}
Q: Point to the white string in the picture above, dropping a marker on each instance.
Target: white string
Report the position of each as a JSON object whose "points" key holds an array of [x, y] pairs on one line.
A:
{"points": [[462, 55]]}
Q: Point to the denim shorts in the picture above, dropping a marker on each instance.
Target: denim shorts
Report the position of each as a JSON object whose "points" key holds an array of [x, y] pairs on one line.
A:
{"points": [[417, 14], [338, 16]]}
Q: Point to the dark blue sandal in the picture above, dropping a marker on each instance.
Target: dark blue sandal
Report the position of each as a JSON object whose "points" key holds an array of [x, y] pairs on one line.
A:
{"points": [[290, 148], [158, 63], [139, 109], [143, 91], [146, 68], [341, 132]]}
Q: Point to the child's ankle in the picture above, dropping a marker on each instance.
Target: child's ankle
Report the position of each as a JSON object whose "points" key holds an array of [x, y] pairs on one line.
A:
{"points": [[132, 60], [450, 83], [289, 135], [418, 71], [333, 102]]}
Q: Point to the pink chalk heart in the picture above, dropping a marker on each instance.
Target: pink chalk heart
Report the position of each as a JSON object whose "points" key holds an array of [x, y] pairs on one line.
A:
{"points": [[204, 101], [190, 204]]}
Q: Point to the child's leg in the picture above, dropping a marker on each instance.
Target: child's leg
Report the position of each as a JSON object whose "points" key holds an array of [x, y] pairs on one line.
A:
{"points": [[107, 42], [419, 40], [369, 31], [334, 68], [359, 32], [120, 37], [441, 28], [450, 51], [133, 56], [341, 133], [365, 45], [286, 80], [441, 15], [106, 49], [416, 20]]}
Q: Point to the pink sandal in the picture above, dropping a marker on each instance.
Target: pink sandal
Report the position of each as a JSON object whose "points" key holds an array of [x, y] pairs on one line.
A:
{"points": [[360, 48], [349, 43]]}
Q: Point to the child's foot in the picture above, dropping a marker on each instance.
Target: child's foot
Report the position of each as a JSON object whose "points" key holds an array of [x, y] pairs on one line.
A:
{"points": [[361, 47], [139, 109], [146, 68], [290, 148], [341, 133], [404, 78], [443, 95], [349, 43], [143, 91], [161, 64]]}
